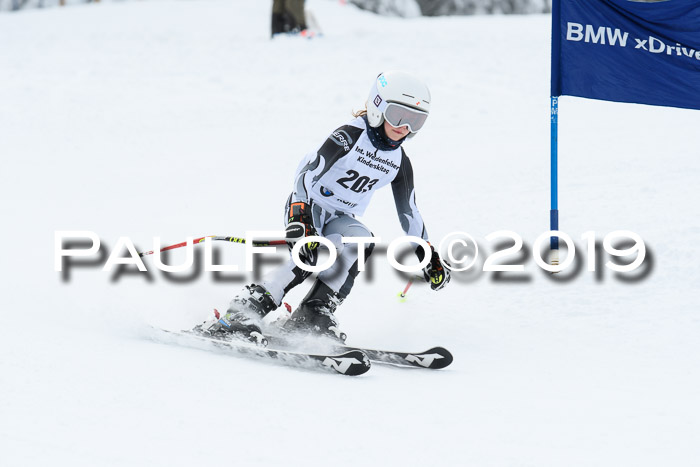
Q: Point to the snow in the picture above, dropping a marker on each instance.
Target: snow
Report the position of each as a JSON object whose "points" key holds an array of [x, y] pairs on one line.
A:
{"points": [[172, 119]]}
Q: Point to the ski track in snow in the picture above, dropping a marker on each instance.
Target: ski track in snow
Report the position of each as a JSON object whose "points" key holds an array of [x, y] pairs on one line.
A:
{"points": [[178, 119]]}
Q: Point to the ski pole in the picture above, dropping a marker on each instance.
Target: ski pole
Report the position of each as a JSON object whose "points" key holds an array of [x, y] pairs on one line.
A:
{"points": [[215, 237], [408, 286], [402, 295]]}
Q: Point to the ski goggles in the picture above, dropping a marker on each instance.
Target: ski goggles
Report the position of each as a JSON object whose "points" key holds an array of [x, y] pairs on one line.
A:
{"points": [[399, 115]]}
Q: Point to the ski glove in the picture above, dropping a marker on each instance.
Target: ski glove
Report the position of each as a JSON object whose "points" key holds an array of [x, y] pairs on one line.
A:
{"points": [[300, 225], [434, 272]]}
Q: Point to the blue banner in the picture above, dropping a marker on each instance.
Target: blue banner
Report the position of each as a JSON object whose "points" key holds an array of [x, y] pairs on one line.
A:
{"points": [[627, 51]]}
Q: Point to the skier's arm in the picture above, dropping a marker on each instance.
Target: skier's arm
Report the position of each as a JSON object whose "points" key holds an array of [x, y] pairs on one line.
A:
{"points": [[405, 199], [412, 223], [311, 165], [312, 168]]}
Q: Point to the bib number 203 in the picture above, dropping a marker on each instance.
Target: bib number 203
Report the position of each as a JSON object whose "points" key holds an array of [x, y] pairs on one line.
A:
{"points": [[361, 184]]}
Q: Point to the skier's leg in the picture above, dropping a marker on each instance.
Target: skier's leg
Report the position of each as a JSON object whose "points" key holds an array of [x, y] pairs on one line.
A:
{"points": [[295, 9], [288, 276], [341, 276], [278, 17], [316, 311], [248, 308], [283, 279]]}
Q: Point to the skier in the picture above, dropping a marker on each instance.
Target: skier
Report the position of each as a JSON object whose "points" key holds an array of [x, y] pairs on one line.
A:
{"points": [[333, 185], [288, 16]]}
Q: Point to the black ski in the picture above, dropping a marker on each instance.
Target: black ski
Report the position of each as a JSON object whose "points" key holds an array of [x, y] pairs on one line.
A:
{"points": [[435, 358], [351, 362]]}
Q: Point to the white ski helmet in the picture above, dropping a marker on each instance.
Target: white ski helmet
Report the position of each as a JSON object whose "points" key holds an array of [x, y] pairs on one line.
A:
{"points": [[410, 94]]}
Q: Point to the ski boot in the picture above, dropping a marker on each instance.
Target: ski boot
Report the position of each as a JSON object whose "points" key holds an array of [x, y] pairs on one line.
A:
{"points": [[315, 314], [244, 316]]}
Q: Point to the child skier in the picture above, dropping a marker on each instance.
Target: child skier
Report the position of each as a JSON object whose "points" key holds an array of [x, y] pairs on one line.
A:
{"points": [[332, 186]]}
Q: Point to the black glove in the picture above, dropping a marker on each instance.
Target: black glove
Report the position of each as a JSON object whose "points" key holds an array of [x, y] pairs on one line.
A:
{"points": [[434, 272], [300, 225]]}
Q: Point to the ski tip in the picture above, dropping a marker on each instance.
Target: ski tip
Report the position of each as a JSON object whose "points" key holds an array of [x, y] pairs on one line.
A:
{"points": [[445, 358], [353, 363]]}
